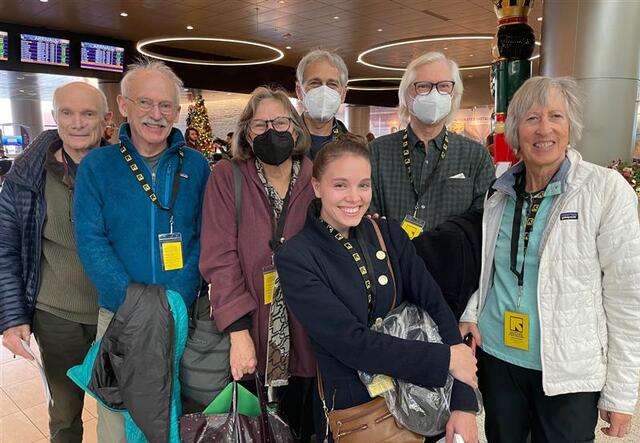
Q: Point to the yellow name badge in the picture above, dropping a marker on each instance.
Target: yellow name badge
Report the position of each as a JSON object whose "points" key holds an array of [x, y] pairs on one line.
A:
{"points": [[516, 330], [412, 226], [379, 385], [171, 251], [269, 282]]}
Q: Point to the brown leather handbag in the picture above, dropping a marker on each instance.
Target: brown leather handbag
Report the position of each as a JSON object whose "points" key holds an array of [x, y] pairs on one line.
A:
{"points": [[370, 422]]}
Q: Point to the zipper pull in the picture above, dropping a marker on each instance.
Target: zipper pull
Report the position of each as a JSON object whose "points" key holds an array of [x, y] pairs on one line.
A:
{"points": [[153, 177]]}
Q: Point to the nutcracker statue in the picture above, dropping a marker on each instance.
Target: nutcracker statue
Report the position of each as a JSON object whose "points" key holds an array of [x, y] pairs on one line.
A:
{"points": [[513, 46]]}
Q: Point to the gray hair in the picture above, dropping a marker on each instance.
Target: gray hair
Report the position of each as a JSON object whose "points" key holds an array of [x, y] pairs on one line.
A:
{"points": [[535, 91], [322, 54], [103, 108], [144, 64], [410, 76], [241, 149]]}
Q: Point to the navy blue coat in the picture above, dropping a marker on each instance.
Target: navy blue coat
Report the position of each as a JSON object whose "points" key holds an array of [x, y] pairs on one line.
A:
{"points": [[23, 212], [324, 290]]}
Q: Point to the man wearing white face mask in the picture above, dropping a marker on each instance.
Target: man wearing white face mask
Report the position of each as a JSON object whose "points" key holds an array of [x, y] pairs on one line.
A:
{"points": [[424, 174], [321, 85]]}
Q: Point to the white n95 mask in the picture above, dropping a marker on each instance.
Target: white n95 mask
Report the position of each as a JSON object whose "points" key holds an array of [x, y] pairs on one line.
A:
{"points": [[431, 108], [322, 103]]}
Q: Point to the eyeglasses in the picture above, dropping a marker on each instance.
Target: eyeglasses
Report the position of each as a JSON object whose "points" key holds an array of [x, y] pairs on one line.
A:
{"points": [[279, 124], [444, 87], [146, 105]]}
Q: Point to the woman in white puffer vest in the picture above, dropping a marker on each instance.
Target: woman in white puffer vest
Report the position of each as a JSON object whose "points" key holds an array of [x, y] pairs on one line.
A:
{"points": [[556, 317]]}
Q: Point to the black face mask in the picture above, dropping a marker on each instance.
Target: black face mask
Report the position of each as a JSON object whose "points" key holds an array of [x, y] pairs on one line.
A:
{"points": [[273, 148]]}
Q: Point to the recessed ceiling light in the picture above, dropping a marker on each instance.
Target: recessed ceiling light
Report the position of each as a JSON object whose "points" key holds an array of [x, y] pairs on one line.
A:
{"points": [[287, 47], [228, 93], [124, 14], [470, 55], [20, 78], [445, 48], [21, 90], [539, 19], [44, 1], [281, 2], [379, 29], [335, 17], [189, 27]]}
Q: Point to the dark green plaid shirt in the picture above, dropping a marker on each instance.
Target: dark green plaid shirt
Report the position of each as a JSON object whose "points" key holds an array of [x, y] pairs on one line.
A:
{"points": [[441, 195]]}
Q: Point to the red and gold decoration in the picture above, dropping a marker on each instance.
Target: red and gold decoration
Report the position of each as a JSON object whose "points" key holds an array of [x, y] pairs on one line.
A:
{"points": [[511, 67], [199, 119]]}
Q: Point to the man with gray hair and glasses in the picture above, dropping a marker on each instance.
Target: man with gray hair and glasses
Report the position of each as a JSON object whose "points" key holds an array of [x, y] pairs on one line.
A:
{"points": [[321, 85], [43, 287], [125, 218], [424, 174]]}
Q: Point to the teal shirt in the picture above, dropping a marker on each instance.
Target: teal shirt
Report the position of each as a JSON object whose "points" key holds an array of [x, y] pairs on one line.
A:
{"points": [[503, 293]]}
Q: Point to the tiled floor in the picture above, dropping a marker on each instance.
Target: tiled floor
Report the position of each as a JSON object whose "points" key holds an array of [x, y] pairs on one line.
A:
{"points": [[23, 412], [24, 417]]}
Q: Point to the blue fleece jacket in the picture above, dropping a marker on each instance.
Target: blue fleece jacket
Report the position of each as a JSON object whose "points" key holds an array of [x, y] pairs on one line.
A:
{"points": [[117, 225]]}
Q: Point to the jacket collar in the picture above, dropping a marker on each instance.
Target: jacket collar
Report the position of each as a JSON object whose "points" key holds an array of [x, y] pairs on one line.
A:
{"points": [[175, 140], [27, 169], [558, 184], [249, 170]]}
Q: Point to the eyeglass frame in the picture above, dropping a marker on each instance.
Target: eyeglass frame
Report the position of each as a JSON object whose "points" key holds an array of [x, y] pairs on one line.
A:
{"points": [[153, 104], [434, 85], [289, 119]]}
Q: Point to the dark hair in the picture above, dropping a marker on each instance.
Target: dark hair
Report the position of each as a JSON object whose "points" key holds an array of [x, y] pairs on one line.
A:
{"points": [[345, 144], [190, 128]]}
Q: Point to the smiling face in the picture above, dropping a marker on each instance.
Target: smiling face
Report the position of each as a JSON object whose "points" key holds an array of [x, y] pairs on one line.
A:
{"points": [[79, 115], [543, 133], [345, 191], [150, 128]]}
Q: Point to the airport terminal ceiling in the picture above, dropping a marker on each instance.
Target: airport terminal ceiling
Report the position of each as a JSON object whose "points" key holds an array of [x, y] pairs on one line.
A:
{"points": [[291, 26]]}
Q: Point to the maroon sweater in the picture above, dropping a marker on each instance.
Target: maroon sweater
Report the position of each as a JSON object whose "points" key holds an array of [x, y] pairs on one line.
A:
{"points": [[232, 259]]}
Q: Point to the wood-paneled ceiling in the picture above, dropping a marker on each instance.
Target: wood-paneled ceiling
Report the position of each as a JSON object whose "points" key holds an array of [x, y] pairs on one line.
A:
{"points": [[349, 26]]}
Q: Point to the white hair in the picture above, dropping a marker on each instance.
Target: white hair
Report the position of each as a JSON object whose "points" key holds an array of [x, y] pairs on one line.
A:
{"points": [[146, 65], [410, 76], [323, 54], [102, 109]]}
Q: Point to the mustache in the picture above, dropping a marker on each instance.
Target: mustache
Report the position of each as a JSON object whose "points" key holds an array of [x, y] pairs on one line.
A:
{"points": [[162, 121]]}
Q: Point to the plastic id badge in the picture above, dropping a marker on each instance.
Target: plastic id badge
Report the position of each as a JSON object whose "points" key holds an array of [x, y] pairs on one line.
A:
{"points": [[269, 282], [171, 251], [516, 330], [379, 385], [413, 226]]}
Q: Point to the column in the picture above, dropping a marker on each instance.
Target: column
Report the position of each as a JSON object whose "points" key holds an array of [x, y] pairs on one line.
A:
{"points": [[598, 43], [357, 119], [28, 112]]}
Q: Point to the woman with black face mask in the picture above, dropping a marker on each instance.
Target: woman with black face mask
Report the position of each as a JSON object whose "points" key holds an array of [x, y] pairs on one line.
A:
{"points": [[237, 258]]}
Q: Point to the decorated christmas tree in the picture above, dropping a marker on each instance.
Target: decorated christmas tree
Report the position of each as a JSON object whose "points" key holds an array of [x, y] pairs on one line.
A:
{"points": [[199, 119]]}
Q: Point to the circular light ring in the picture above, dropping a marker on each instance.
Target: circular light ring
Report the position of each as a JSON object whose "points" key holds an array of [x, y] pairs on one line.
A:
{"points": [[150, 41], [373, 88], [437, 38]]}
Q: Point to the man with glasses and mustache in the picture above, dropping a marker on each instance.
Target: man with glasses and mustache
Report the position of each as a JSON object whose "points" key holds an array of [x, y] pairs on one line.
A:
{"points": [[424, 174], [43, 287], [138, 200]]}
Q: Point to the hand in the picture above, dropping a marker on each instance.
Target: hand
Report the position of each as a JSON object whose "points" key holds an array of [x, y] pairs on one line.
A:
{"points": [[619, 423], [462, 365], [11, 340], [463, 423], [471, 328], [242, 355]]}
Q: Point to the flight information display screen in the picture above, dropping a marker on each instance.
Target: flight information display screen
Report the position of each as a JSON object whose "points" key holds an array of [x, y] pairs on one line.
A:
{"points": [[45, 50], [102, 57], [4, 46]]}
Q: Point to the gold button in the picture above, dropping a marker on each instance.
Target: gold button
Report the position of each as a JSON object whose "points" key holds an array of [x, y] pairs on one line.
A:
{"points": [[383, 280], [380, 255]]}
